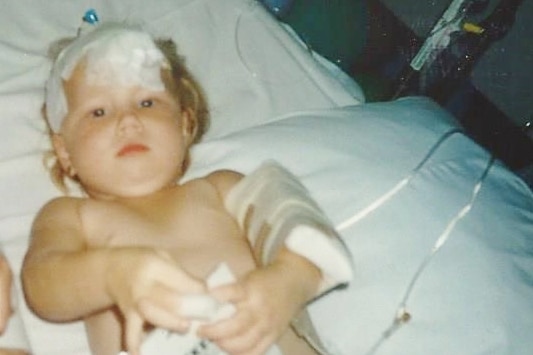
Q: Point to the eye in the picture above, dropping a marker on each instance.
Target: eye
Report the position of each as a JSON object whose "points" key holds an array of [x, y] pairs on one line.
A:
{"points": [[147, 103], [99, 112]]}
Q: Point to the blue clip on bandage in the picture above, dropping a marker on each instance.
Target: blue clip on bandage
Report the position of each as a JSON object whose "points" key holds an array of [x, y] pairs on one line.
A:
{"points": [[91, 17]]}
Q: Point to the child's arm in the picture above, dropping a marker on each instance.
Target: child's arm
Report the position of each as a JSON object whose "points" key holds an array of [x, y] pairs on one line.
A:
{"points": [[65, 280], [267, 299], [275, 210]]}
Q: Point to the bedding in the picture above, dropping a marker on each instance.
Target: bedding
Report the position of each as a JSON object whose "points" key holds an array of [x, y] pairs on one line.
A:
{"points": [[469, 291], [475, 295]]}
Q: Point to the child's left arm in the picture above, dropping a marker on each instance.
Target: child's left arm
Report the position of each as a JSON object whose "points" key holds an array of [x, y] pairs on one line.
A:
{"points": [[266, 301], [300, 254]]}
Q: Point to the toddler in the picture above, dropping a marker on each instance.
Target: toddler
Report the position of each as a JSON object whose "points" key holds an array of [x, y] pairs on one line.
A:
{"points": [[133, 253]]}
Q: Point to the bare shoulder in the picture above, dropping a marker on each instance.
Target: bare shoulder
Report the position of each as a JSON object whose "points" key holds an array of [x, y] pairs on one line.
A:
{"points": [[58, 208], [57, 218], [223, 180]]}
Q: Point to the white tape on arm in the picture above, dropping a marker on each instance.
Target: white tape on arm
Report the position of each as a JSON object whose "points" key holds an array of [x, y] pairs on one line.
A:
{"points": [[275, 209]]}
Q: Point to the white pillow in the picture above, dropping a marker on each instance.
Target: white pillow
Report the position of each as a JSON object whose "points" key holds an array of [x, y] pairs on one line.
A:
{"points": [[476, 294]]}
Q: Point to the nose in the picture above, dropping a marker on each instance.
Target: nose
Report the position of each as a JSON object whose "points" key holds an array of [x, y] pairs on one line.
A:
{"points": [[128, 123]]}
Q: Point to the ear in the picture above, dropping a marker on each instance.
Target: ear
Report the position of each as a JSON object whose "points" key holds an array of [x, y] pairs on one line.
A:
{"points": [[189, 125], [62, 154]]}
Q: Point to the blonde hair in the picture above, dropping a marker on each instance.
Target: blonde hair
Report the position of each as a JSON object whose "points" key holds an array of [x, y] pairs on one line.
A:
{"points": [[184, 86]]}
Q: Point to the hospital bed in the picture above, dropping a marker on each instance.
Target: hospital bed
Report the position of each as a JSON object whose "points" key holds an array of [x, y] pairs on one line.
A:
{"points": [[441, 234]]}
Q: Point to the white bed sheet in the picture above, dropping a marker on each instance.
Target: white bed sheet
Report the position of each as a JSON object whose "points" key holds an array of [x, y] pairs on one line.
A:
{"points": [[476, 295], [250, 66]]}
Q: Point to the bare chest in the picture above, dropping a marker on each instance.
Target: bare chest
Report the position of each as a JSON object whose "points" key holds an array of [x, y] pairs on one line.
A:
{"points": [[191, 225]]}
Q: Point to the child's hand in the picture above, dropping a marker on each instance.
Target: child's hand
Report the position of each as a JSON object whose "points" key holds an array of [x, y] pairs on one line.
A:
{"points": [[266, 300], [148, 286], [5, 293]]}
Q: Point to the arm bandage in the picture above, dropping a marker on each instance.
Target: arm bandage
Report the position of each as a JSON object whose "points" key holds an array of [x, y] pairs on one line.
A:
{"points": [[275, 209]]}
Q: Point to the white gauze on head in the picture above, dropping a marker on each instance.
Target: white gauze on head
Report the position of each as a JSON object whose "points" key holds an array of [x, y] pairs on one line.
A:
{"points": [[115, 54]]}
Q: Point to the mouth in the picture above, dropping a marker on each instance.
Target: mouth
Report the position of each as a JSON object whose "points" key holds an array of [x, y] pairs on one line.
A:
{"points": [[132, 149]]}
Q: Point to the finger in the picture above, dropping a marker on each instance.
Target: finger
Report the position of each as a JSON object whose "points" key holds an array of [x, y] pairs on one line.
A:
{"points": [[262, 347], [162, 318], [180, 280], [227, 328], [134, 332], [232, 293], [250, 342], [163, 299]]}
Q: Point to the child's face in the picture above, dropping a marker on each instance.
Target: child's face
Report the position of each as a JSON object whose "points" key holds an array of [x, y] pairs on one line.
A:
{"points": [[122, 141]]}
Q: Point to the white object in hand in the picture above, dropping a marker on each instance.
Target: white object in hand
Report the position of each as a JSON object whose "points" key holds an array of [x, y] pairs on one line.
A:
{"points": [[163, 342]]}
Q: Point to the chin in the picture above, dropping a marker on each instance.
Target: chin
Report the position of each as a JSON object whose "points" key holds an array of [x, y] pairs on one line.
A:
{"points": [[124, 190], [139, 183], [141, 191]]}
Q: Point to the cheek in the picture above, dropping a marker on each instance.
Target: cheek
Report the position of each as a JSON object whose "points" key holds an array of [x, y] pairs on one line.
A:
{"points": [[86, 149], [174, 147], [172, 131]]}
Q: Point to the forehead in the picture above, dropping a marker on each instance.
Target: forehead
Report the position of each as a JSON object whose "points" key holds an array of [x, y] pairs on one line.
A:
{"points": [[82, 76], [118, 57], [109, 55], [81, 93]]}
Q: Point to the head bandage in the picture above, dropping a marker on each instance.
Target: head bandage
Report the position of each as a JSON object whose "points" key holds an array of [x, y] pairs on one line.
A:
{"points": [[114, 54]]}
